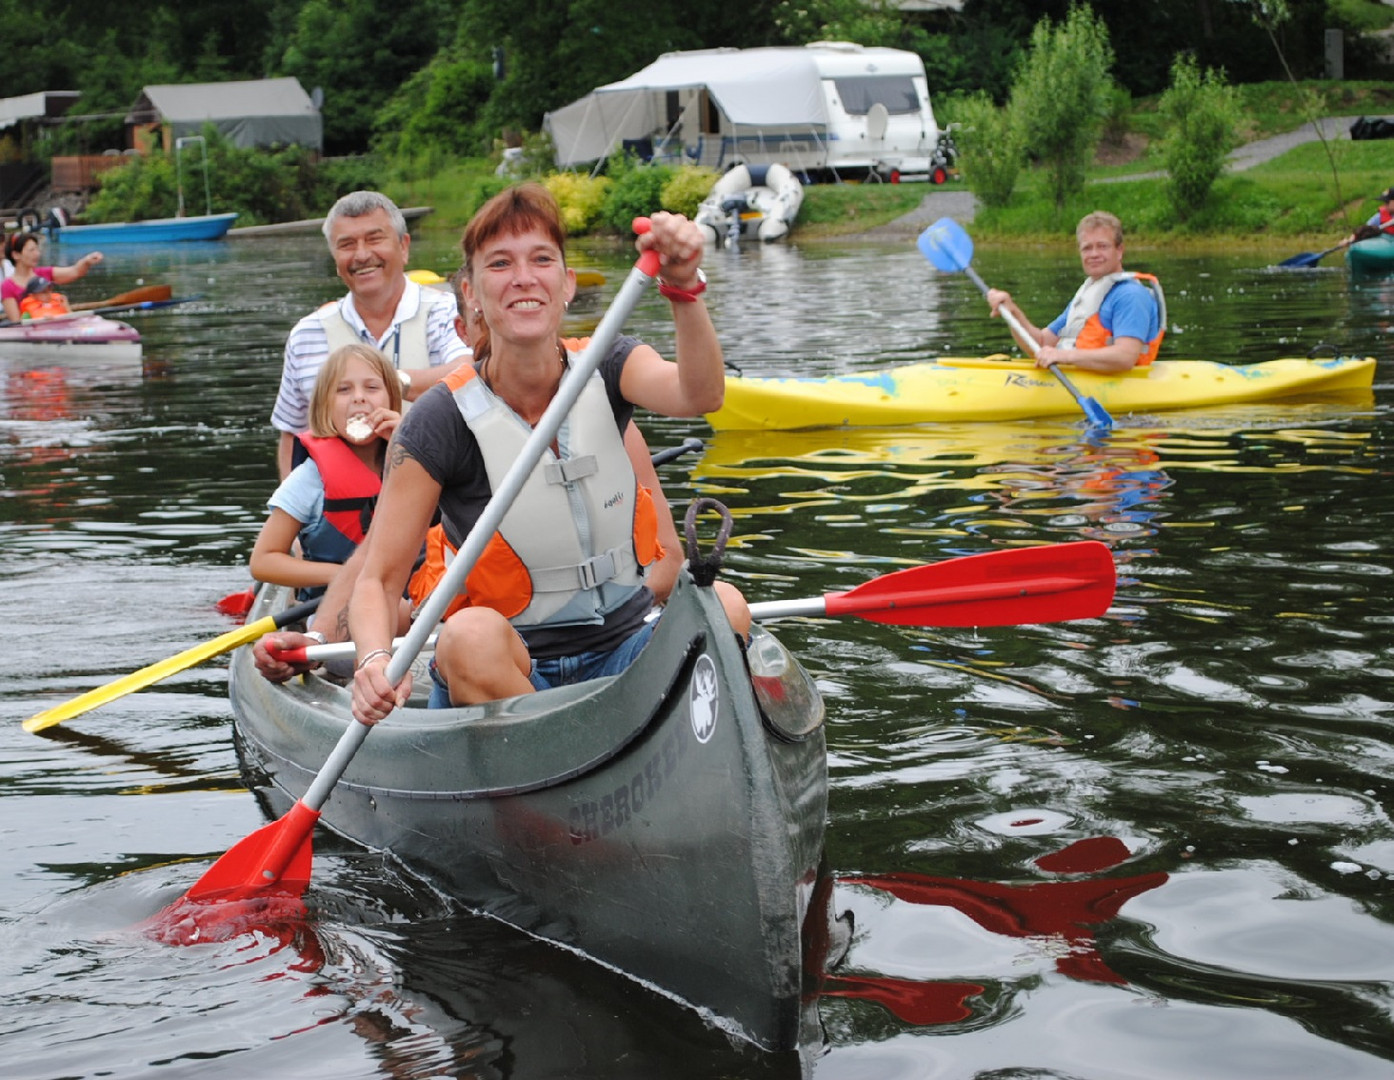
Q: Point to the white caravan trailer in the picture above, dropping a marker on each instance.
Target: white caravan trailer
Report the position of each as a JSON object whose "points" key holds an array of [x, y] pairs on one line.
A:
{"points": [[833, 108]]}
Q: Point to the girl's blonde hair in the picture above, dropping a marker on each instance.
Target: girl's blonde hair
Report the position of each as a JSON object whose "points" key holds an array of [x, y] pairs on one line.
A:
{"points": [[327, 381]]}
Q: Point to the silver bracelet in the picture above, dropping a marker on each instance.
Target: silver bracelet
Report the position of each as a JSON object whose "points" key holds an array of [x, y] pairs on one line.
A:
{"points": [[317, 636], [373, 656]]}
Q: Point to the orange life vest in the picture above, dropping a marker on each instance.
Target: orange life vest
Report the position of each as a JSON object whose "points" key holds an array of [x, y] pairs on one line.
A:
{"points": [[501, 579], [1093, 334], [1386, 220], [39, 306]]}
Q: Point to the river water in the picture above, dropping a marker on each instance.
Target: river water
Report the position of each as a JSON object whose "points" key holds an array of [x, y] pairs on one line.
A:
{"points": [[1156, 844]]}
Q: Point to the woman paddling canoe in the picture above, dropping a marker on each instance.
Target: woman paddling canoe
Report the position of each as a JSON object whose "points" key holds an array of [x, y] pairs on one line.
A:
{"points": [[561, 596]]}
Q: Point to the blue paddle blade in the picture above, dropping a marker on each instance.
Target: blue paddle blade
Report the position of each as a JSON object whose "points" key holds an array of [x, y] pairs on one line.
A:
{"points": [[1305, 259], [947, 246]]}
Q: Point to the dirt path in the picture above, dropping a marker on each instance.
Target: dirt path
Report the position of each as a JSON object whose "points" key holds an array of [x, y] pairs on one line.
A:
{"points": [[960, 204]]}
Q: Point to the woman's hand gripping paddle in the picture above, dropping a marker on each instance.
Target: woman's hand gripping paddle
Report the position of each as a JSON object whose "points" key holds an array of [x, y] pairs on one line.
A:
{"points": [[269, 870], [950, 249]]}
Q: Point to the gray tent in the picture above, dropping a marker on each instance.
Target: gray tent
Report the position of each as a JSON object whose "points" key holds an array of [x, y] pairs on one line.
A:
{"points": [[259, 112]]}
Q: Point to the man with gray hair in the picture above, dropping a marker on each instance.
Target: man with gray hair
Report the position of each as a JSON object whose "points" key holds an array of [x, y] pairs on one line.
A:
{"points": [[412, 325]]}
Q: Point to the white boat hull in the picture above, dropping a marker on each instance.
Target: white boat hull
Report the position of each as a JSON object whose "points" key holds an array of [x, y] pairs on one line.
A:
{"points": [[746, 203]]}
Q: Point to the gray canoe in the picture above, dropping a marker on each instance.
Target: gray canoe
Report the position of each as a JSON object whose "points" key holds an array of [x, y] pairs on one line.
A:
{"points": [[667, 822]]}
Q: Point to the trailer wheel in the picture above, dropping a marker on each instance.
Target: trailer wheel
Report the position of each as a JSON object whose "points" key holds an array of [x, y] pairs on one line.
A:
{"points": [[939, 174], [28, 219]]}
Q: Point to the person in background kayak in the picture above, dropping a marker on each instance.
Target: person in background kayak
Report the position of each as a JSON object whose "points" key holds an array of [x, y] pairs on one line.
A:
{"points": [[1380, 223], [25, 250], [1114, 322], [518, 629], [413, 326], [326, 503]]}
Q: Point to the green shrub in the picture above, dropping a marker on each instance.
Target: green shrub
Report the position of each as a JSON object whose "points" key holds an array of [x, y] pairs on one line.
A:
{"points": [[1061, 96], [989, 145], [684, 193], [1201, 113], [580, 197], [637, 191], [262, 185]]}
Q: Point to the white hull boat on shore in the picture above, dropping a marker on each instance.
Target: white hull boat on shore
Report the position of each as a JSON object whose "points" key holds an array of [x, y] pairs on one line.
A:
{"points": [[751, 202]]}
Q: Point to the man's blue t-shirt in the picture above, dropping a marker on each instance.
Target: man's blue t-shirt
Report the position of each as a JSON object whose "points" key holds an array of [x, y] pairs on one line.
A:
{"points": [[1129, 310]]}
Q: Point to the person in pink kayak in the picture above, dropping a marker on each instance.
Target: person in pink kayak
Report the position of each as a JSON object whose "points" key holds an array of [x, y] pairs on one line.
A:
{"points": [[25, 249]]}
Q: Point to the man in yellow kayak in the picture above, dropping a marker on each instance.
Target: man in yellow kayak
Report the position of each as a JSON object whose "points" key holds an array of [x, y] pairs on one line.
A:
{"points": [[1115, 321]]}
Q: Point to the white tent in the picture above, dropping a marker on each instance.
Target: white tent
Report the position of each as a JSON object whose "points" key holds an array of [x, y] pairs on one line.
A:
{"points": [[255, 112], [749, 103]]}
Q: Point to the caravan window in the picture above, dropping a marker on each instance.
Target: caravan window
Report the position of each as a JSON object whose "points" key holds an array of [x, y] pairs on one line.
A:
{"points": [[861, 92]]}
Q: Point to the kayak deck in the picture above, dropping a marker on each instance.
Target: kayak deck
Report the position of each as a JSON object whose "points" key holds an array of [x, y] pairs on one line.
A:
{"points": [[950, 390]]}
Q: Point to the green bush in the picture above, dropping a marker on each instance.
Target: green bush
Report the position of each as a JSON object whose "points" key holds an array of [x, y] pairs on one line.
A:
{"points": [[580, 197], [636, 191], [1201, 113], [1062, 95], [684, 193], [262, 185], [989, 144]]}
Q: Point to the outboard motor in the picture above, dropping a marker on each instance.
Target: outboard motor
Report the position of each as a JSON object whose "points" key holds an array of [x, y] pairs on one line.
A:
{"points": [[732, 207]]}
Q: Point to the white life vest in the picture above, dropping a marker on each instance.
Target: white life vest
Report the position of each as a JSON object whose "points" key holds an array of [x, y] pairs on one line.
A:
{"points": [[407, 348], [572, 525], [1090, 298]]}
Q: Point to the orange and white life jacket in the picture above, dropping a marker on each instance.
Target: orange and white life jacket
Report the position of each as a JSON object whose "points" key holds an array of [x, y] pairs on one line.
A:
{"points": [[577, 541], [1083, 328], [43, 306]]}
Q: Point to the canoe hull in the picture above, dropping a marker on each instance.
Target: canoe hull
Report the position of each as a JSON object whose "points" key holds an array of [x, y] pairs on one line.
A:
{"points": [[656, 822], [962, 390], [154, 231], [77, 338], [1373, 256]]}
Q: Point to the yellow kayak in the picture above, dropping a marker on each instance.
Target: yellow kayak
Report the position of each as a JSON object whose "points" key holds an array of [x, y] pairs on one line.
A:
{"points": [[952, 390]]}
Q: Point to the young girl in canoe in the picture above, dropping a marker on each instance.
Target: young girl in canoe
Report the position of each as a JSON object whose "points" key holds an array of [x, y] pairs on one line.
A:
{"points": [[327, 501]]}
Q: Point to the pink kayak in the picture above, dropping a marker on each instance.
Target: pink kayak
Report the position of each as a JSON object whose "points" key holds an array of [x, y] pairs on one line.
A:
{"points": [[75, 337]]}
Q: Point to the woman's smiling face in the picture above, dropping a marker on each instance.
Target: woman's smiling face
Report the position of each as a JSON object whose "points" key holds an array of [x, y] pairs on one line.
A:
{"points": [[522, 283]]}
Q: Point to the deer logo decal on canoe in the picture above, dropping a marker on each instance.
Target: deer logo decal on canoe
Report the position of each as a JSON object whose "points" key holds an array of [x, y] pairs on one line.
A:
{"points": [[702, 698]]}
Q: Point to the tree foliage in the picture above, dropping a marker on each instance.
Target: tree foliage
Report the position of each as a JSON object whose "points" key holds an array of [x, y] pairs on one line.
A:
{"points": [[1061, 97], [416, 76], [1201, 113], [990, 153], [263, 186]]}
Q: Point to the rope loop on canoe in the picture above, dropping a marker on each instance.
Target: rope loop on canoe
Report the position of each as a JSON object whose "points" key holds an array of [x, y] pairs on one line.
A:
{"points": [[704, 568]]}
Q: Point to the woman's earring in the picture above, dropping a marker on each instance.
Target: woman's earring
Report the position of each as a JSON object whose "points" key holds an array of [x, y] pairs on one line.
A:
{"points": [[566, 305], [479, 313]]}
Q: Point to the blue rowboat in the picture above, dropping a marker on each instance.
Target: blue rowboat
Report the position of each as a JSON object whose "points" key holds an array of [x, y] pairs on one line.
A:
{"points": [[154, 231]]}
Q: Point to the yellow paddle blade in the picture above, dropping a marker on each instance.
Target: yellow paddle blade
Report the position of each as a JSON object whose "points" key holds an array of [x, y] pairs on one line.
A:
{"points": [[138, 680], [589, 279], [425, 277]]}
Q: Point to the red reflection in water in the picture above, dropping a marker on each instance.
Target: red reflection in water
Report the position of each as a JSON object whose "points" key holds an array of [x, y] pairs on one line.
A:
{"points": [[1066, 910]]}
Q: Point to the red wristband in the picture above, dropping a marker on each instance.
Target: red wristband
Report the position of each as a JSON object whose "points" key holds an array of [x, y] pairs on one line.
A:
{"points": [[683, 296]]}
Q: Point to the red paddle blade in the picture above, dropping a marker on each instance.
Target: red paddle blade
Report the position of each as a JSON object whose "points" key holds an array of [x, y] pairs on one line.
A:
{"points": [[1052, 583], [260, 879], [238, 603]]}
